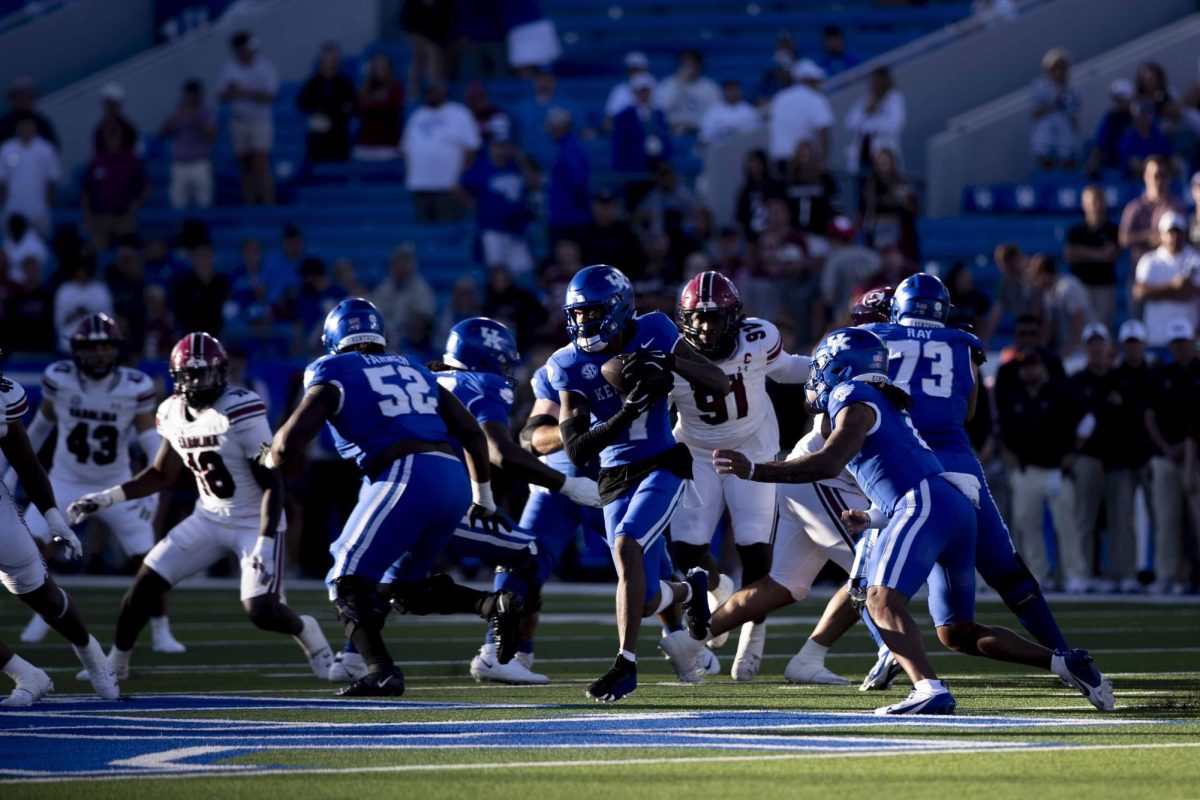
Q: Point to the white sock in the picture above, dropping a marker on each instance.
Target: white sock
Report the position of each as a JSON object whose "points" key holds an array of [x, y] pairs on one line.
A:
{"points": [[160, 626], [119, 659], [813, 651], [929, 686], [687, 596], [17, 668], [91, 652], [628, 656], [666, 596]]}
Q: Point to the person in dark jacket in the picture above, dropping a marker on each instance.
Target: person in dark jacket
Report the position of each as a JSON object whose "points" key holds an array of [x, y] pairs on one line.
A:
{"points": [[569, 197], [329, 100]]}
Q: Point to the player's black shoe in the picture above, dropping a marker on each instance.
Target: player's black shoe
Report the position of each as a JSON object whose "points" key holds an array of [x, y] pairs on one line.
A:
{"points": [[696, 610], [504, 611], [620, 681], [380, 684]]}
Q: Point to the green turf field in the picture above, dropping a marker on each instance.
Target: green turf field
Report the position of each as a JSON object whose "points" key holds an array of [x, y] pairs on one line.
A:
{"points": [[240, 715]]}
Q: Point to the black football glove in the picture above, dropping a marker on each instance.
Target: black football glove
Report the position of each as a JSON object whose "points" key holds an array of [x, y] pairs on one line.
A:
{"points": [[648, 391], [491, 520], [644, 364]]}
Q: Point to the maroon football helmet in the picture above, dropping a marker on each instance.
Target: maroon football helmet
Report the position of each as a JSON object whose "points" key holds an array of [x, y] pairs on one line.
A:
{"points": [[200, 368], [709, 312], [873, 306], [96, 345]]}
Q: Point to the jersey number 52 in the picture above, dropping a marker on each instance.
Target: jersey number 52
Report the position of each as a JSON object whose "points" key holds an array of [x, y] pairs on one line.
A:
{"points": [[404, 390]]}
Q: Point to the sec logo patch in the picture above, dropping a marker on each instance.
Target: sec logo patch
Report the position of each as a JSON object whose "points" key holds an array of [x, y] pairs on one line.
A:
{"points": [[590, 372]]}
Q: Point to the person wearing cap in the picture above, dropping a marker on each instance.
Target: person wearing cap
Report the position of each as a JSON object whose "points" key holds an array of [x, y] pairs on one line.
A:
{"points": [[621, 96], [1129, 466], [112, 118], [1167, 281], [1142, 139], [329, 100], [568, 189], [249, 84], [729, 117], [799, 112], [22, 93], [1042, 427], [1064, 302], [688, 94], [641, 136], [1112, 127], [29, 176], [1138, 231], [1170, 417], [1054, 136], [497, 187], [439, 143], [1091, 252], [191, 129], [1095, 475]]}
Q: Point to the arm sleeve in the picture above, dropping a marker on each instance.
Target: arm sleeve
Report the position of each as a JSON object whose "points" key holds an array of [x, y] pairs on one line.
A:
{"points": [[492, 405], [789, 368], [321, 372], [583, 444]]}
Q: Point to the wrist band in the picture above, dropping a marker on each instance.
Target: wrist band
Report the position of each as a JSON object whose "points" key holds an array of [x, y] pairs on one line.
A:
{"points": [[750, 477], [481, 494]]}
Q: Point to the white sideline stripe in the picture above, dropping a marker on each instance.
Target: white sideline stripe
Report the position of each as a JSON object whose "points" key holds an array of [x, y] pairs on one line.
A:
{"points": [[167, 758], [232, 771]]}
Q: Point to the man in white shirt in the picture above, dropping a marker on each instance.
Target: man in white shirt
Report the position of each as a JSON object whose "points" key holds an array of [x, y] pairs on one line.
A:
{"points": [[79, 297], [688, 94], [24, 248], [731, 116], [620, 97], [29, 173], [438, 143], [1065, 304], [800, 113], [249, 84], [1167, 280]]}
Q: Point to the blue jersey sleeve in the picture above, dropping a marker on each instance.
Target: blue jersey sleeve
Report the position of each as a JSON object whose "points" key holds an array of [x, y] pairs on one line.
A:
{"points": [[655, 331], [558, 371], [323, 370], [542, 390], [492, 401], [849, 393]]}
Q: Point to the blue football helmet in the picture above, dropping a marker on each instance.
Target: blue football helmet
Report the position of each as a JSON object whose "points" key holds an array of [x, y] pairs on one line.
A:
{"points": [[352, 322], [603, 289], [480, 344], [847, 354], [921, 299]]}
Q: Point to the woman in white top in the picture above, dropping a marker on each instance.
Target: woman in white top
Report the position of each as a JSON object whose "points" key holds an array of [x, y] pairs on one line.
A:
{"points": [[875, 121]]}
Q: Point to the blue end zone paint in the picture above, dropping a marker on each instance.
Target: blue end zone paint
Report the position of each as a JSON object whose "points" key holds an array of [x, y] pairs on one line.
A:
{"points": [[139, 736]]}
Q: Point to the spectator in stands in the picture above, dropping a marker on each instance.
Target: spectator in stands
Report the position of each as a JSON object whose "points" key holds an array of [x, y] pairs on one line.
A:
{"points": [[1092, 250], [315, 298], [848, 265], [1194, 224], [23, 248], [757, 186], [688, 94], [1064, 302], [191, 129], [1041, 428], [428, 26], [1104, 153], [439, 143], [81, 294], [329, 100], [621, 96], [1128, 467], [656, 280], [875, 121], [28, 318], [249, 296], [810, 191], [281, 270], [405, 299], [161, 333], [568, 194], [669, 196], [970, 306], [497, 187], [380, 109], [112, 118], [1141, 140], [799, 113], [609, 239], [531, 116], [834, 57], [1167, 281], [127, 284], [1054, 136], [160, 266], [200, 295], [249, 83], [345, 278], [888, 208], [1028, 335], [475, 98], [730, 117], [726, 253], [640, 135], [1171, 406], [29, 174], [779, 76], [465, 301], [22, 93], [115, 185], [1138, 231], [1151, 86]]}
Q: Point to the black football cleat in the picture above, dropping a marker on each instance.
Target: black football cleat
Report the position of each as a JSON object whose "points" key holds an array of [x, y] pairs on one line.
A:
{"points": [[380, 684], [504, 612], [620, 681], [695, 610]]}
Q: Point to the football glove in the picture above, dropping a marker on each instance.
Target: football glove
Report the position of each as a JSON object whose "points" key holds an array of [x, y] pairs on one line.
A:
{"points": [[582, 491], [649, 391], [483, 510], [646, 363], [92, 502], [61, 534]]}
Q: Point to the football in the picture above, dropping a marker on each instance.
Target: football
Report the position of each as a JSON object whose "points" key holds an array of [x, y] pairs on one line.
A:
{"points": [[611, 370]]}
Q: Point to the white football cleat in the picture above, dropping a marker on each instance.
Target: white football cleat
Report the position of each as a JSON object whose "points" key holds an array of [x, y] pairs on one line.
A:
{"points": [[514, 672], [808, 671], [312, 640], [526, 660], [716, 598], [116, 661], [709, 663], [161, 639], [98, 670], [748, 660], [347, 667], [684, 654], [35, 631], [30, 688]]}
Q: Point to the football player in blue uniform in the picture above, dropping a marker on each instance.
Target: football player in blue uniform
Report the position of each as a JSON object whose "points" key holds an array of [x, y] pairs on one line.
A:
{"points": [[938, 367], [927, 516], [389, 415], [642, 470]]}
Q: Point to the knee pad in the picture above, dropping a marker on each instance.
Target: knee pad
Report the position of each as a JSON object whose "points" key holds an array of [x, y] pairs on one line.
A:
{"points": [[421, 597], [756, 561], [688, 555], [1017, 586], [358, 603]]}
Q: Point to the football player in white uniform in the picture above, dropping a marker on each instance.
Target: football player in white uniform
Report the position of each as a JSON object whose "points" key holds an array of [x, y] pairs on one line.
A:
{"points": [[23, 572], [749, 351], [216, 431], [96, 406]]}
